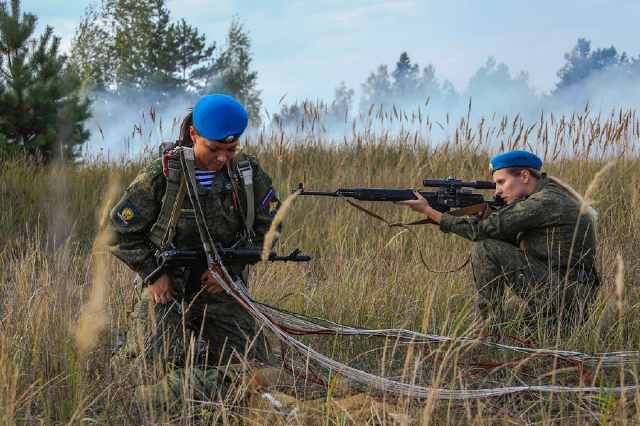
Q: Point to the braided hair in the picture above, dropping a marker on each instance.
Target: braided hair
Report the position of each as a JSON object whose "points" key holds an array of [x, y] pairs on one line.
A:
{"points": [[184, 138]]}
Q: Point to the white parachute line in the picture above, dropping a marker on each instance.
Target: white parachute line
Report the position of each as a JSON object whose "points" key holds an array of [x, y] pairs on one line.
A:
{"points": [[300, 322], [261, 314]]}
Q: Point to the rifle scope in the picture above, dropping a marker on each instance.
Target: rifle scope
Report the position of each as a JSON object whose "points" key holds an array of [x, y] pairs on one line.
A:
{"points": [[453, 183]]}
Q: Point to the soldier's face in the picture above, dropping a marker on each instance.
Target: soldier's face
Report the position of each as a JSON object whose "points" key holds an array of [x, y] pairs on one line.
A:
{"points": [[510, 187], [212, 155]]}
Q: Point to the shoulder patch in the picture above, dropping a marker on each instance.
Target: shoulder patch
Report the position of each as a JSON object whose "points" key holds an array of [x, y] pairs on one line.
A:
{"points": [[266, 200], [127, 213], [270, 203]]}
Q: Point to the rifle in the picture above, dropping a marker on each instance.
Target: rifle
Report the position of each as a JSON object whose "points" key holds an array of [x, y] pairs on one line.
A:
{"points": [[451, 194], [172, 258]]}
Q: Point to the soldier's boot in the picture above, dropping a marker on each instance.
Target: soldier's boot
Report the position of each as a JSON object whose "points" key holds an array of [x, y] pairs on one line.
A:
{"points": [[154, 344], [191, 385]]}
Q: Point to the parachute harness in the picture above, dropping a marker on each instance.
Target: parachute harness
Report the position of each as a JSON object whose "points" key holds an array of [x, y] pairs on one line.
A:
{"points": [[284, 325]]}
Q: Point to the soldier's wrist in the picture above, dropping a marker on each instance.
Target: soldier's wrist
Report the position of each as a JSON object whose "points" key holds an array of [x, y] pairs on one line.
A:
{"points": [[147, 268]]}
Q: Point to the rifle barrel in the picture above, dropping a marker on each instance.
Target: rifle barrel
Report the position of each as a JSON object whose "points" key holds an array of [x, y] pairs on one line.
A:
{"points": [[320, 193]]}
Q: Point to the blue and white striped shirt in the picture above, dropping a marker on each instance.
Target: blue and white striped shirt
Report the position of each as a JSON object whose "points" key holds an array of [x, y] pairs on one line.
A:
{"points": [[205, 178]]}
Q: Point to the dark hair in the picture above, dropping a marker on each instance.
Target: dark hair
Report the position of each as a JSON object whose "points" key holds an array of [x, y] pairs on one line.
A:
{"points": [[184, 139], [516, 171]]}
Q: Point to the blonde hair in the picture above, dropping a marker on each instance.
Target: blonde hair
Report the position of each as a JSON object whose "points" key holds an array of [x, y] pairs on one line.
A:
{"points": [[585, 206]]}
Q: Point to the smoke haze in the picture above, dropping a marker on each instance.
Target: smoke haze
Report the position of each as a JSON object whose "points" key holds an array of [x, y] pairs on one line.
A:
{"points": [[132, 125]]}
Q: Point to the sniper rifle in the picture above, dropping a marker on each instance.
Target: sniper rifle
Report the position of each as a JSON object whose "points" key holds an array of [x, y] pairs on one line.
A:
{"points": [[451, 194]]}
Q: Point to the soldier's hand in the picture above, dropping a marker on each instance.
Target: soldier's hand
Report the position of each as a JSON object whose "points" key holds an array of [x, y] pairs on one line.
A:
{"points": [[421, 205], [162, 290], [209, 283], [484, 213]]}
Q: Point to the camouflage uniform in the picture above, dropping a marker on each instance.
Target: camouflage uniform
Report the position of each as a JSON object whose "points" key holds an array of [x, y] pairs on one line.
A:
{"points": [[540, 247], [163, 333]]}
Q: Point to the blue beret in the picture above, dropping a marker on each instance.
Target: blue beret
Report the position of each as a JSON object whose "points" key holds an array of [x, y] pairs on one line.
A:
{"points": [[219, 118], [515, 159]]}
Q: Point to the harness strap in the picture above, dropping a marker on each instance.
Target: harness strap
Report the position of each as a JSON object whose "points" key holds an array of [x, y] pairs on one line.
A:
{"points": [[246, 172], [170, 233], [163, 230]]}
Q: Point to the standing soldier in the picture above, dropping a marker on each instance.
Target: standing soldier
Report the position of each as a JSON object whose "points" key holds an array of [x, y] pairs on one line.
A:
{"points": [[542, 244], [185, 305]]}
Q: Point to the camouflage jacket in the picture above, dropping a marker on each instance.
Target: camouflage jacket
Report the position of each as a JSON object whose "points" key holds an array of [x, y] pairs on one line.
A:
{"points": [[138, 209], [546, 225]]}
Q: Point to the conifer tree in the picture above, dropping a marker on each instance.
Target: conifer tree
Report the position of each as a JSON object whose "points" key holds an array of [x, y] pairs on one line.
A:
{"points": [[41, 109], [376, 89], [132, 44], [192, 53], [231, 72], [405, 77]]}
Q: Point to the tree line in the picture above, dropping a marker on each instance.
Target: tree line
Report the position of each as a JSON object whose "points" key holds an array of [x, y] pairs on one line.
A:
{"points": [[409, 85]]}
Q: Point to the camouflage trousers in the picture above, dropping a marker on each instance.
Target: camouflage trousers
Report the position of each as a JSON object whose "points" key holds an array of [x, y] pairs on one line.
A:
{"points": [[548, 294], [191, 341]]}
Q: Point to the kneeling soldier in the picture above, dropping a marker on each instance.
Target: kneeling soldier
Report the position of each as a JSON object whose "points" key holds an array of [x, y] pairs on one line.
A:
{"points": [[540, 245]]}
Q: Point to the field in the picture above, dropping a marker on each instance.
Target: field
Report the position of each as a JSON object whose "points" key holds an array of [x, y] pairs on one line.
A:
{"points": [[64, 303]]}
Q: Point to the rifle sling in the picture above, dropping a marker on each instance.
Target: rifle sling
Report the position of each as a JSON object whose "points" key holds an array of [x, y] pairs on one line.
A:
{"points": [[464, 211]]}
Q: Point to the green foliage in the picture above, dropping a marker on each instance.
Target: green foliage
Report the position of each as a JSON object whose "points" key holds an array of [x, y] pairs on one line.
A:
{"points": [[583, 62], [231, 72], [130, 46], [342, 102], [493, 81], [405, 76], [42, 110], [192, 53], [127, 45], [377, 88], [404, 86], [92, 56]]}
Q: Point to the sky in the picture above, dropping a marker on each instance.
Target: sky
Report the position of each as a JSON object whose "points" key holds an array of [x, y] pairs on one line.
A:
{"points": [[304, 49]]}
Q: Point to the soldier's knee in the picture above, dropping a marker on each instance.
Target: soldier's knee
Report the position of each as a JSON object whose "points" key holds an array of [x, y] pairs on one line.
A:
{"points": [[491, 249]]}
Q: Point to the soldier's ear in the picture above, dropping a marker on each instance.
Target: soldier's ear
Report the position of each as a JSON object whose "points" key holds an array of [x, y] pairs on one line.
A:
{"points": [[193, 133]]}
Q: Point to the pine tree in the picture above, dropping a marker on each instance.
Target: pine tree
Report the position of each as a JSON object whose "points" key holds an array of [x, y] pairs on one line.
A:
{"points": [[405, 78], [376, 90], [41, 109], [129, 45], [144, 45], [231, 73], [191, 52], [342, 100], [427, 85], [583, 62], [92, 55]]}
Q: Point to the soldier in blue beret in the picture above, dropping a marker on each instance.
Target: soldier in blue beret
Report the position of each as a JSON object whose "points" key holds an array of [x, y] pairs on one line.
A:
{"points": [[182, 305], [541, 245]]}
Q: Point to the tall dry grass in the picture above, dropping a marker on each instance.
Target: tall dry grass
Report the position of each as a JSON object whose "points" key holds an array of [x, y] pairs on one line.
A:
{"points": [[363, 273]]}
